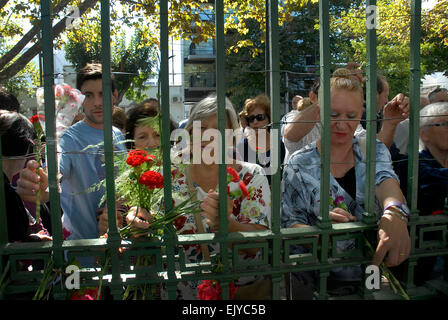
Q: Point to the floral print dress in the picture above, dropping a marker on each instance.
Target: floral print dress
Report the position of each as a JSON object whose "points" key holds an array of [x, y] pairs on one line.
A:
{"points": [[255, 209]]}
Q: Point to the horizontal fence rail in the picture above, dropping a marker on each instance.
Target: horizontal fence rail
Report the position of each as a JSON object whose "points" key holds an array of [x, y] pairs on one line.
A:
{"points": [[146, 267]]}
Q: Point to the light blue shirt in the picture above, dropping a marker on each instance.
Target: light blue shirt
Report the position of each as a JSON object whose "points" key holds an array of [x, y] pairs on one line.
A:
{"points": [[80, 171], [301, 191]]}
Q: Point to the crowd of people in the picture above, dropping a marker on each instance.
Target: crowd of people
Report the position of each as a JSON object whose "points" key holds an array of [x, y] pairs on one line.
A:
{"points": [[255, 158]]}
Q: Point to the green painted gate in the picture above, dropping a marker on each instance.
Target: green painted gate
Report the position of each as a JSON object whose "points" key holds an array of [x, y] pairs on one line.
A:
{"points": [[167, 265]]}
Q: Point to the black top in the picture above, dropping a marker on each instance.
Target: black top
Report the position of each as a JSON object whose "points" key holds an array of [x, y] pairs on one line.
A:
{"points": [[16, 215], [348, 182], [262, 159]]}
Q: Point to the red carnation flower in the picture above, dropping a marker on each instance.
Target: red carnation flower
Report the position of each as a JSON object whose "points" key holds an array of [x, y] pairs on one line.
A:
{"points": [[138, 157], [151, 179], [211, 290], [232, 172], [34, 118], [86, 294]]}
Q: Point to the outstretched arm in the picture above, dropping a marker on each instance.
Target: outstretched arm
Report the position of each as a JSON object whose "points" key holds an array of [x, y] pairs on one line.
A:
{"points": [[394, 243]]}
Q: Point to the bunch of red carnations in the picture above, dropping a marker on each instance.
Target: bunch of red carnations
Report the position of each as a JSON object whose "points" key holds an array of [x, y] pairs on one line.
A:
{"points": [[140, 185]]}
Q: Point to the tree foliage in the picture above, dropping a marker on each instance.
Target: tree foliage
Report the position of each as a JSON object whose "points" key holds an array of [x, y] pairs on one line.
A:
{"points": [[393, 39], [131, 61], [246, 65], [194, 20], [187, 19]]}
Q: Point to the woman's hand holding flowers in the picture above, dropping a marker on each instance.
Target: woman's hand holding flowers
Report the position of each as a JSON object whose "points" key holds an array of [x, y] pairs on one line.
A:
{"points": [[140, 219], [339, 215], [210, 209]]}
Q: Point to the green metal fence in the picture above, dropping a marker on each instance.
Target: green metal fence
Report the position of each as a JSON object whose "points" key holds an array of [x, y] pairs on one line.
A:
{"points": [[167, 264]]}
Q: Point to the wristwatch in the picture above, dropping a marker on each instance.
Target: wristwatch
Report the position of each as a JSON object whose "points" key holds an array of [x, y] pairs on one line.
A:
{"points": [[401, 209]]}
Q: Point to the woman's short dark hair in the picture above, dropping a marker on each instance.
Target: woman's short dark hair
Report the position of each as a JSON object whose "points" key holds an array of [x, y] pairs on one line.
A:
{"points": [[119, 118], [141, 111], [17, 134], [8, 101]]}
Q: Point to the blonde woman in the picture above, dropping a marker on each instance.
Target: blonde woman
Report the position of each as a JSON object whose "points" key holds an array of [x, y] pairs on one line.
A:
{"points": [[301, 196]]}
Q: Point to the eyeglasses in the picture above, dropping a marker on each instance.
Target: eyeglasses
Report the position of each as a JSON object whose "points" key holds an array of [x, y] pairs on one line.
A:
{"points": [[259, 117], [442, 124]]}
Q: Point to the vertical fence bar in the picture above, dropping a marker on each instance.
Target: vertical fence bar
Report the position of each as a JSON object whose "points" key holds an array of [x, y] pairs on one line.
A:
{"points": [[267, 59], [371, 100], [50, 129], [369, 216], [414, 126], [164, 107], [113, 238], [324, 97], [3, 220], [222, 184], [274, 67]]}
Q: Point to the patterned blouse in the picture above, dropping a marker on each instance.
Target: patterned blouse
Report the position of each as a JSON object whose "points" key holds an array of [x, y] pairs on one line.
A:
{"points": [[301, 190], [256, 209]]}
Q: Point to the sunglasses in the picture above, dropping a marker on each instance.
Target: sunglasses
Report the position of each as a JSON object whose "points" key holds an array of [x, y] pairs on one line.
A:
{"points": [[259, 117], [442, 124]]}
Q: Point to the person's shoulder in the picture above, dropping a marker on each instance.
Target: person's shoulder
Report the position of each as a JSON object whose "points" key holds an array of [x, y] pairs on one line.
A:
{"points": [[303, 155], [78, 129], [290, 115], [116, 130], [251, 167], [72, 129], [71, 132]]}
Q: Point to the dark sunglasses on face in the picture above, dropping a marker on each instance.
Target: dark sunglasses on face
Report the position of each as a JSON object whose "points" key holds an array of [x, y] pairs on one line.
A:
{"points": [[259, 117]]}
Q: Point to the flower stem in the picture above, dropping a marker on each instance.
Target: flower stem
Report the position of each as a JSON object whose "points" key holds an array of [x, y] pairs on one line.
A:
{"points": [[393, 282]]}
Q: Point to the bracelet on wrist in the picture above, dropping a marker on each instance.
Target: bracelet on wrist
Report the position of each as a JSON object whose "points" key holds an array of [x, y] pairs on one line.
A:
{"points": [[396, 213]]}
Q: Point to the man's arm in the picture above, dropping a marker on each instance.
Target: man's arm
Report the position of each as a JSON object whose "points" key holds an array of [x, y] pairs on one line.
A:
{"points": [[394, 112], [393, 234]]}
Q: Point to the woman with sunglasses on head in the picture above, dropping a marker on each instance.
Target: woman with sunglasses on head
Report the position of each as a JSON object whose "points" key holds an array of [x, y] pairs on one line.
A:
{"points": [[255, 147]]}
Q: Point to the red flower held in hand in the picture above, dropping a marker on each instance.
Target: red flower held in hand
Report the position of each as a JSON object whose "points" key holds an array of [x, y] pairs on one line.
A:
{"points": [[151, 179], [34, 118], [138, 157]]}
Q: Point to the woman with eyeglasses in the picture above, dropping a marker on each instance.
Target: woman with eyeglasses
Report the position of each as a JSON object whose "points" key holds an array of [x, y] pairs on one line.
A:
{"points": [[301, 196], [256, 147], [432, 178]]}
